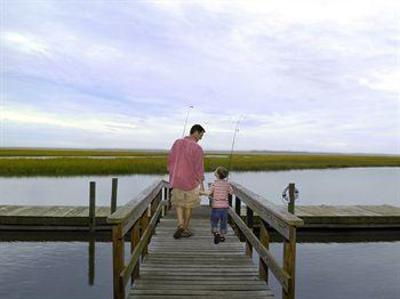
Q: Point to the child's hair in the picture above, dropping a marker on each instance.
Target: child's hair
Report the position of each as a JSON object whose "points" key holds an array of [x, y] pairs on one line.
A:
{"points": [[222, 172]]}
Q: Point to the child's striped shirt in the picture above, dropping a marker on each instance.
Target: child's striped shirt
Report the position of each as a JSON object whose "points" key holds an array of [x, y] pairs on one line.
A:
{"points": [[220, 190]]}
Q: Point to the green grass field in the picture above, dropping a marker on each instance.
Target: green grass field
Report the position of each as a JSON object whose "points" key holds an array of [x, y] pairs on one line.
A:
{"points": [[79, 162]]}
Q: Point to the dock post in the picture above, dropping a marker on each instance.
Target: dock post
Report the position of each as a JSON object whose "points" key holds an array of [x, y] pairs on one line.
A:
{"points": [[238, 210], [209, 197], [291, 198], [92, 207], [264, 239], [230, 199], [114, 188], [250, 223], [163, 201]]}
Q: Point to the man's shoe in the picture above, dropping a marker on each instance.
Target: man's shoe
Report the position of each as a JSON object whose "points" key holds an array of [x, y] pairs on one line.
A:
{"points": [[222, 238], [178, 233], [186, 233], [216, 238]]}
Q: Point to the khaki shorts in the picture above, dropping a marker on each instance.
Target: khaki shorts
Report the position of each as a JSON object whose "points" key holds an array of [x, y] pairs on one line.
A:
{"points": [[185, 199]]}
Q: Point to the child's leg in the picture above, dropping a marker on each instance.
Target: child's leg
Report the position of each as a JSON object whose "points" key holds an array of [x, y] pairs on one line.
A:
{"points": [[223, 223], [215, 215], [214, 221]]}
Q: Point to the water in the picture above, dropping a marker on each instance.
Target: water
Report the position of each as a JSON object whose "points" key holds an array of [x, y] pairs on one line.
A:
{"points": [[51, 270], [349, 186], [60, 270], [345, 270], [72, 191], [330, 270]]}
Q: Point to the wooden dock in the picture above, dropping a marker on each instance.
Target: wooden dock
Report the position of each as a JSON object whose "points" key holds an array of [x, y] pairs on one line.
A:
{"points": [[158, 266], [70, 218], [38, 218], [195, 267], [357, 216]]}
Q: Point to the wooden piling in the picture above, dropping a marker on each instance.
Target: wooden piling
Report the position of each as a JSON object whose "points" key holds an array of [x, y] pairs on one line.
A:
{"points": [[250, 224], [291, 198], [114, 188], [92, 206]]}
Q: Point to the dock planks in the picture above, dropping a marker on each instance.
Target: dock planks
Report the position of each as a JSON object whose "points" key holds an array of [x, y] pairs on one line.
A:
{"points": [[195, 267]]}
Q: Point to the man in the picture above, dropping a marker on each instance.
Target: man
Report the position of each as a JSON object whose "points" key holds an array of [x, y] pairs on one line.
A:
{"points": [[186, 175]]}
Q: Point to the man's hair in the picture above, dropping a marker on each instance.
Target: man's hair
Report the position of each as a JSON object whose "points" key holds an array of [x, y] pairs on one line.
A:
{"points": [[222, 172], [197, 128]]}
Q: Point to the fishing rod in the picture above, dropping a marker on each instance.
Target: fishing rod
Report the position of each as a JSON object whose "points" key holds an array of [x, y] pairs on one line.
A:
{"points": [[187, 116], [233, 142]]}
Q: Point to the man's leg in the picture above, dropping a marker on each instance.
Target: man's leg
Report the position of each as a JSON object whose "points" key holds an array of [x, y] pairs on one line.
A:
{"points": [[181, 221], [187, 217], [180, 216]]}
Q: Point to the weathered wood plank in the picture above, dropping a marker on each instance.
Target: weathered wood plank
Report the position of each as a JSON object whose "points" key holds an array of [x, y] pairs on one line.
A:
{"points": [[199, 287], [248, 293]]}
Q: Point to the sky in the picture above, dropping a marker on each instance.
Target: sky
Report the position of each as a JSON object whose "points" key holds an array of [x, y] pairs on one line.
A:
{"points": [[318, 76]]}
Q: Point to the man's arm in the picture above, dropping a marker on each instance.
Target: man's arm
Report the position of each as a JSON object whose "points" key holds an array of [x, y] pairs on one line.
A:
{"points": [[199, 167], [172, 157]]}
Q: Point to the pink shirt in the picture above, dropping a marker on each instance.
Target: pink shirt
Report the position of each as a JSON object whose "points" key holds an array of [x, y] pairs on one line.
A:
{"points": [[186, 164], [220, 191]]}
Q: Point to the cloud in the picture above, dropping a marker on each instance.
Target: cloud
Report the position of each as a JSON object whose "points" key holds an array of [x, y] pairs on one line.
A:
{"points": [[325, 72], [383, 80], [25, 43]]}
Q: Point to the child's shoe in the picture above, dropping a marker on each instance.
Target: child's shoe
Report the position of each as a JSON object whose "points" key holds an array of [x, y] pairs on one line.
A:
{"points": [[216, 238]]}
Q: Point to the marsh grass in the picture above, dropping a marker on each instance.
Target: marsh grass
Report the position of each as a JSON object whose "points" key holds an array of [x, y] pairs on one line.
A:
{"points": [[74, 153], [155, 163]]}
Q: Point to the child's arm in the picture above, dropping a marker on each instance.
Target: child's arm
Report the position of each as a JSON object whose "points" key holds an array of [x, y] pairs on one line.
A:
{"points": [[209, 192], [230, 190], [212, 188]]}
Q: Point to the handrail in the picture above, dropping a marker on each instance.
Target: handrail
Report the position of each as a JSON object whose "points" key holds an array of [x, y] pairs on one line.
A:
{"points": [[134, 217], [135, 207], [126, 273], [271, 216], [281, 275], [266, 210]]}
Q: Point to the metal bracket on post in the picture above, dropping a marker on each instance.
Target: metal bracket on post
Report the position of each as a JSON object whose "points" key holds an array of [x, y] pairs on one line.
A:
{"points": [[290, 194]]}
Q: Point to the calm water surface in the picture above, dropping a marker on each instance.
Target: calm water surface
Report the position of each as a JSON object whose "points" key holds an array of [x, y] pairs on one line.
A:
{"points": [[324, 270], [347, 186]]}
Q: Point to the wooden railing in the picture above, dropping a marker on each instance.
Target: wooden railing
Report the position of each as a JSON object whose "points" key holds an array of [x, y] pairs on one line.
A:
{"points": [[139, 217], [271, 216]]}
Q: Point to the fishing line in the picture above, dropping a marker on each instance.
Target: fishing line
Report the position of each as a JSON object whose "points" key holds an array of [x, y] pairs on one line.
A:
{"points": [[233, 143], [187, 117]]}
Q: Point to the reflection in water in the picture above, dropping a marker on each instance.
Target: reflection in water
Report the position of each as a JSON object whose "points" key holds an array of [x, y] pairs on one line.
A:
{"points": [[92, 258], [321, 268], [49, 270]]}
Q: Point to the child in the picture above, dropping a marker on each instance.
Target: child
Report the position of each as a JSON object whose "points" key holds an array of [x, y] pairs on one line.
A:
{"points": [[220, 190]]}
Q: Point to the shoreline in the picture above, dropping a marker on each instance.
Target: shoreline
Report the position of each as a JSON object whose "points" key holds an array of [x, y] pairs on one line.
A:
{"points": [[157, 164]]}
